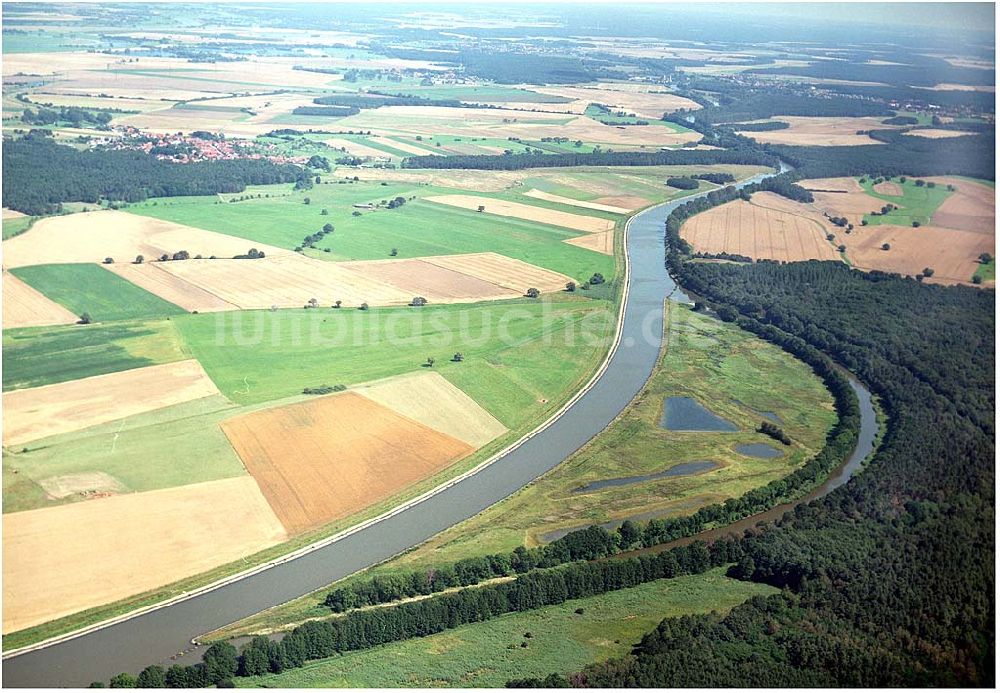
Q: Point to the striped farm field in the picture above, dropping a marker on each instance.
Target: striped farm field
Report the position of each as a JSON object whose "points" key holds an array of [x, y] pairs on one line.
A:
{"points": [[505, 208], [23, 306]]}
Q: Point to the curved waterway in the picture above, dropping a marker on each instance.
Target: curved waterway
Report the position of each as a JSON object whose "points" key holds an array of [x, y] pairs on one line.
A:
{"points": [[155, 636]]}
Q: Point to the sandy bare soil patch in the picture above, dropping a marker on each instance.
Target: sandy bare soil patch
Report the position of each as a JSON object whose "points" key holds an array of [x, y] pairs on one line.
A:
{"points": [[768, 227], [502, 270], [64, 559], [287, 281], [12, 214], [630, 202], [156, 280], [538, 194], [23, 306], [323, 459], [436, 284], [357, 149], [404, 146], [936, 134], [517, 210], [82, 483], [40, 412], [603, 242], [433, 401], [821, 132], [952, 253], [845, 184], [93, 236], [887, 187], [972, 207]]}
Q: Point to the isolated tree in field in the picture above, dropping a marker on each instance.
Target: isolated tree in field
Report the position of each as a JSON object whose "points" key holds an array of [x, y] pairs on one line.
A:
{"points": [[152, 676], [977, 279], [571, 286], [164, 257], [393, 252], [418, 301], [457, 358], [430, 362], [532, 293], [306, 200], [830, 236], [84, 319], [363, 306], [841, 248], [985, 258], [928, 272], [481, 208], [324, 212], [931, 184], [328, 228], [312, 303], [598, 278], [921, 182], [139, 259], [902, 179], [864, 222], [336, 304], [952, 188], [182, 255], [109, 261], [916, 224], [886, 246]]}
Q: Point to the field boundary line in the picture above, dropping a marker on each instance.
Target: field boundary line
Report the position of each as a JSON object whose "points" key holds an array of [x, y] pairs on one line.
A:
{"points": [[315, 546]]}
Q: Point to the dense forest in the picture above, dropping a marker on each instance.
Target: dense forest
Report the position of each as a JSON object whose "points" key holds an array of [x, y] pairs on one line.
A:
{"points": [[40, 174], [887, 581], [923, 71], [515, 162], [737, 104]]}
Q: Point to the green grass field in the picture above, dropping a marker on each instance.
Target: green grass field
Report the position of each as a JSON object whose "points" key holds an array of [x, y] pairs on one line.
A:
{"points": [[416, 229], [987, 272], [13, 227], [91, 289], [716, 363], [489, 654], [256, 356], [917, 204], [173, 446], [34, 356]]}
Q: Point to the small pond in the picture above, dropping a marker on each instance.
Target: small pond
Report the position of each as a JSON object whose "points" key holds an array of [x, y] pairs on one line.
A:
{"points": [[758, 450], [687, 414], [682, 469]]}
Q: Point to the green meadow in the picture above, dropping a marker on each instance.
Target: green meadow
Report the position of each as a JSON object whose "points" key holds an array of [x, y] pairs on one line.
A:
{"points": [[418, 228], [34, 356], [88, 288], [916, 204], [13, 227], [515, 353], [489, 654]]}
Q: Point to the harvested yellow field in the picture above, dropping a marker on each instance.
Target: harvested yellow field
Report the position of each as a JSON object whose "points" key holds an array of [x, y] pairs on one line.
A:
{"points": [[821, 131], [768, 227], [12, 214], [404, 146], [40, 412], [357, 149], [539, 195], [23, 306], [502, 270], [937, 134], [629, 202], [483, 181], [433, 401], [61, 560], [517, 210], [603, 242], [953, 254], [436, 284], [617, 97], [93, 236], [287, 281], [156, 280], [329, 457]]}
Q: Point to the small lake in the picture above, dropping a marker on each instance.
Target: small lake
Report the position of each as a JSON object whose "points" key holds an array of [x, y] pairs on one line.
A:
{"points": [[769, 415], [758, 450], [682, 469], [687, 414]]}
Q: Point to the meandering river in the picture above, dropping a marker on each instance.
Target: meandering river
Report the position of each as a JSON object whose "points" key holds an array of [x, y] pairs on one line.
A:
{"points": [[155, 636]]}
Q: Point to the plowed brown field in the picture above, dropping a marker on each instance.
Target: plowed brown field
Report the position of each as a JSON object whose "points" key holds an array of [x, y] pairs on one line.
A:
{"points": [[436, 284], [972, 207], [601, 242], [769, 227], [952, 254], [324, 459], [505, 271]]}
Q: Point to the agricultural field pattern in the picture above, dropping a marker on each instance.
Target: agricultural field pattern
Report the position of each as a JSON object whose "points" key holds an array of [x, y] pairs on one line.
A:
{"points": [[475, 345]]}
